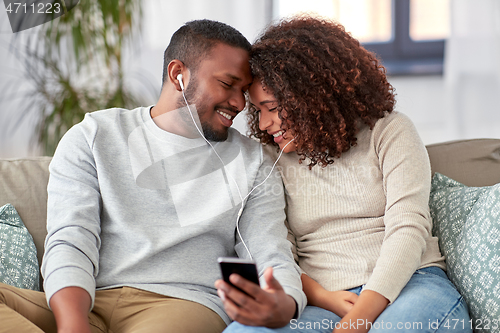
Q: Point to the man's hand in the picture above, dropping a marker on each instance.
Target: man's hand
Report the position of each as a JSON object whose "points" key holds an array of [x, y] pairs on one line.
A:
{"points": [[268, 306], [71, 307]]}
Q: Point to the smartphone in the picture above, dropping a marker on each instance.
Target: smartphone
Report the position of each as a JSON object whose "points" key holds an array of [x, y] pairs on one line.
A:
{"points": [[244, 267]]}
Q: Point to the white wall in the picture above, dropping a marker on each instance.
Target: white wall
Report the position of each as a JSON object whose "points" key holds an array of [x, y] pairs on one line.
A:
{"points": [[15, 126], [426, 100], [463, 103], [423, 99]]}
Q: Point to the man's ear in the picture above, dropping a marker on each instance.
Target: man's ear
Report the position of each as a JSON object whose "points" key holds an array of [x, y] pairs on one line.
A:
{"points": [[176, 67]]}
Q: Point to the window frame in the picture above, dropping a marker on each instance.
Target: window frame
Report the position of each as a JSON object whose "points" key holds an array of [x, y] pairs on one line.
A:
{"points": [[401, 55], [404, 56]]}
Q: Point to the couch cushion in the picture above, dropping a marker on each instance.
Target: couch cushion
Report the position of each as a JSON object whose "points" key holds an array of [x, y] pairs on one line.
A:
{"points": [[18, 261], [467, 223], [471, 162], [23, 183]]}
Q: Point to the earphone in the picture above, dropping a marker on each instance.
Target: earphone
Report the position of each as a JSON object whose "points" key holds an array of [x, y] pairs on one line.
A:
{"points": [[179, 78]]}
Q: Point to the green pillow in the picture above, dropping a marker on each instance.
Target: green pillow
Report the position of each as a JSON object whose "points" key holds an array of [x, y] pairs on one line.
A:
{"points": [[18, 261], [467, 223]]}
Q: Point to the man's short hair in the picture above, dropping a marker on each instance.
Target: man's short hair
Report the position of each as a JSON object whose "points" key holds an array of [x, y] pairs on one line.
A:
{"points": [[195, 39]]}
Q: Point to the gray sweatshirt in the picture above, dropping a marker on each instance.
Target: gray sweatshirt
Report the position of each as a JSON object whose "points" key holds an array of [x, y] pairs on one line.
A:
{"points": [[133, 205]]}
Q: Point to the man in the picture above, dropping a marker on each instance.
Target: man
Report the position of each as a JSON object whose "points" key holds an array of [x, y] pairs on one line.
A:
{"points": [[142, 203]]}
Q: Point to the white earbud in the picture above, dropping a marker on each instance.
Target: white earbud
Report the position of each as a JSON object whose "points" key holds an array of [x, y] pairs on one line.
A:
{"points": [[179, 78]]}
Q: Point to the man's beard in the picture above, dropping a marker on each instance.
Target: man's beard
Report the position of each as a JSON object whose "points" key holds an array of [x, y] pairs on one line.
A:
{"points": [[207, 129]]}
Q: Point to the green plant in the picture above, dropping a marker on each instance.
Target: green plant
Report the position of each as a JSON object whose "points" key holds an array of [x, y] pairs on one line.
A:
{"points": [[76, 65]]}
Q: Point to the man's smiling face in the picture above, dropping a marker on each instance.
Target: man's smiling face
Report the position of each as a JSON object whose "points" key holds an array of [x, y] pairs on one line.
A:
{"points": [[217, 88]]}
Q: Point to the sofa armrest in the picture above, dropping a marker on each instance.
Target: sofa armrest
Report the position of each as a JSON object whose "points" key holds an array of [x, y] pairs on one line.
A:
{"points": [[474, 162], [23, 183]]}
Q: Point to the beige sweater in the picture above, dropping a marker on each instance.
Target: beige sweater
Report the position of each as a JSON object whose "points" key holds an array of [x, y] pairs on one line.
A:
{"points": [[365, 218]]}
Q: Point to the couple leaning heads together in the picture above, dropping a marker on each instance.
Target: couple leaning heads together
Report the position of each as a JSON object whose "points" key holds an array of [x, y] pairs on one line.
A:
{"points": [[142, 203]]}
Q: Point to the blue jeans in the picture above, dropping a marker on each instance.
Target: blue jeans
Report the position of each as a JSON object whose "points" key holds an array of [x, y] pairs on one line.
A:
{"points": [[428, 303]]}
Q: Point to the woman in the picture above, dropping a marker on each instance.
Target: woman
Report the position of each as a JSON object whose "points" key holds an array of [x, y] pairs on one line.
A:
{"points": [[357, 180]]}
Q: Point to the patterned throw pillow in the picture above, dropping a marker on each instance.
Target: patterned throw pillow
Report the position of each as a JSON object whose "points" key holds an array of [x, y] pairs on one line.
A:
{"points": [[467, 223], [18, 261]]}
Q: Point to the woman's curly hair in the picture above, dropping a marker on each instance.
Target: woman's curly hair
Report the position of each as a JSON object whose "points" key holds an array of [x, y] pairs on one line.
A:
{"points": [[326, 85]]}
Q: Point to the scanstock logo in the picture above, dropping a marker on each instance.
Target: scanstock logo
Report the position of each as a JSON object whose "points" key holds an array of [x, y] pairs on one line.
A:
{"points": [[30, 13]]}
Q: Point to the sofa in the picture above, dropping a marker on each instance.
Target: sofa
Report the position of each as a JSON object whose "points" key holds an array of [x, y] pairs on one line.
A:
{"points": [[473, 163]]}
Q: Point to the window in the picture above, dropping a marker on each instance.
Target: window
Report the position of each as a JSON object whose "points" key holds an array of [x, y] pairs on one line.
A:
{"points": [[408, 35]]}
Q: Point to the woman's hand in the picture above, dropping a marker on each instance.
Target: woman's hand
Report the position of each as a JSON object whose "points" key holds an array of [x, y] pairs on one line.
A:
{"points": [[338, 302], [357, 312], [363, 314]]}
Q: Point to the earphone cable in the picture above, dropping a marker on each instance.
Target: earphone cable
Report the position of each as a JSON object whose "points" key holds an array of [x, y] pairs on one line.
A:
{"points": [[234, 181], [213, 148]]}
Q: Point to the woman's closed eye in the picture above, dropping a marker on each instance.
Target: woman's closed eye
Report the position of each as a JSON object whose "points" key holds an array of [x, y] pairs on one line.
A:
{"points": [[270, 110]]}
